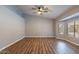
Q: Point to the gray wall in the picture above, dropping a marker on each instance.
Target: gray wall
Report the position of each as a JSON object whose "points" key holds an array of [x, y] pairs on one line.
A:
{"points": [[12, 27], [38, 27]]}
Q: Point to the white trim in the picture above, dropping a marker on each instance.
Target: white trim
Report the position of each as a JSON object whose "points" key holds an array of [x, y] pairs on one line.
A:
{"points": [[11, 43], [72, 42], [69, 41], [38, 36], [71, 16]]}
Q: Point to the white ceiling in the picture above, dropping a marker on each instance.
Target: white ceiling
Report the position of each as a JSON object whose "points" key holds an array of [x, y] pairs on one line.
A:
{"points": [[55, 10]]}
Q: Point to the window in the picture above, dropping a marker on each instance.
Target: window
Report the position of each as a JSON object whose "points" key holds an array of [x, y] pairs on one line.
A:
{"points": [[61, 28], [77, 28], [71, 29]]}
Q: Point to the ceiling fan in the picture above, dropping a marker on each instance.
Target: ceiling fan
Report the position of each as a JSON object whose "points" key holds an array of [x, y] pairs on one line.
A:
{"points": [[40, 9]]}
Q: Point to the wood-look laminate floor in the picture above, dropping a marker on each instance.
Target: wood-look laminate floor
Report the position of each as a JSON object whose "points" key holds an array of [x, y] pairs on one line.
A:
{"points": [[41, 46]]}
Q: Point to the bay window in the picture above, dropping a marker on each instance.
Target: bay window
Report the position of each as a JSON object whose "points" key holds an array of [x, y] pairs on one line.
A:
{"points": [[71, 29], [61, 28], [77, 28]]}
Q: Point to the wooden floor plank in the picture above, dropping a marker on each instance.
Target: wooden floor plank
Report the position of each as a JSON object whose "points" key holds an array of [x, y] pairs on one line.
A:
{"points": [[41, 46]]}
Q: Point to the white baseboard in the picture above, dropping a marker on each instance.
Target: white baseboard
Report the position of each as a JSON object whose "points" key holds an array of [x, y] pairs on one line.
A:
{"points": [[39, 36], [69, 41], [11, 43], [72, 42]]}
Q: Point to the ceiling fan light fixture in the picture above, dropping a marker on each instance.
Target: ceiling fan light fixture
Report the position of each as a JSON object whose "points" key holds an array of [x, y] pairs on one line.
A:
{"points": [[41, 9], [40, 13]]}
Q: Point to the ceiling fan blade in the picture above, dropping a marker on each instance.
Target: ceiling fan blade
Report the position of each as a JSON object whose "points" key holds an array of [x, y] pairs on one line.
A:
{"points": [[34, 8], [34, 12], [45, 11]]}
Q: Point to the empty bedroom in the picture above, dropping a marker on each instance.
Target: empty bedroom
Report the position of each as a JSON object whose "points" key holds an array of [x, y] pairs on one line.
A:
{"points": [[39, 29]]}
